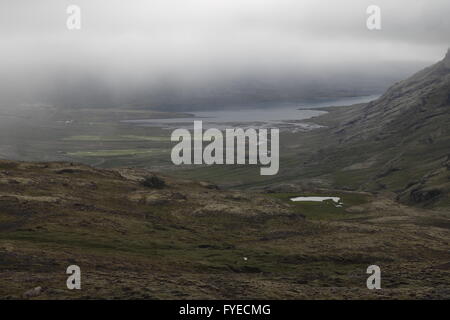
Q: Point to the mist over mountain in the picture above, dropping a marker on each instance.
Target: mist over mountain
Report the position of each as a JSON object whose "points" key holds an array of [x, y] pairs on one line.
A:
{"points": [[198, 54], [250, 90]]}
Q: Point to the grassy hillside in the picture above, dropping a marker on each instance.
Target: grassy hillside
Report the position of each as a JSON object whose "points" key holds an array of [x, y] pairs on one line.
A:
{"points": [[191, 240]]}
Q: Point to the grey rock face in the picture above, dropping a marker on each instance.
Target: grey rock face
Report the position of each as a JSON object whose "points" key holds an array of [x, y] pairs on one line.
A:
{"points": [[447, 59]]}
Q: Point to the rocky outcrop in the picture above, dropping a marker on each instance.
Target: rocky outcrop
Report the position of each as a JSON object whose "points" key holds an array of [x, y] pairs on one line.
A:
{"points": [[32, 293], [447, 59]]}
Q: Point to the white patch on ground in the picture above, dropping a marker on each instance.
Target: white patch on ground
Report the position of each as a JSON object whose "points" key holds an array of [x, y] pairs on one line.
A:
{"points": [[337, 200]]}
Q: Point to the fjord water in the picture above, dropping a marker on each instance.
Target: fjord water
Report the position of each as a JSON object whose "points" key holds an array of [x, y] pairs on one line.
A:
{"points": [[263, 113]]}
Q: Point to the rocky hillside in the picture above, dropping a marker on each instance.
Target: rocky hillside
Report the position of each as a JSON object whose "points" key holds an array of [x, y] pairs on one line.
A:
{"points": [[398, 143], [140, 236], [418, 105], [412, 120]]}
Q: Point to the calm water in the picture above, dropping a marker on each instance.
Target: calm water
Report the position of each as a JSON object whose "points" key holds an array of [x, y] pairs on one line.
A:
{"points": [[285, 114]]}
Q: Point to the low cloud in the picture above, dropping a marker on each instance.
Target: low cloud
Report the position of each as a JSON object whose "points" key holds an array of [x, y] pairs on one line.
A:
{"points": [[141, 51]]}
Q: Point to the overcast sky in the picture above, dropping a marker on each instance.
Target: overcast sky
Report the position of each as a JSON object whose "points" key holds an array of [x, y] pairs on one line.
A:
{"points": [[124, 45]]}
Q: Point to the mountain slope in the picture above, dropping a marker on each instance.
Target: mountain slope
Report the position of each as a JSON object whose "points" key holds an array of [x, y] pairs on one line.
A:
{"points": [[413, 104], [398, 143], [412, 121]]}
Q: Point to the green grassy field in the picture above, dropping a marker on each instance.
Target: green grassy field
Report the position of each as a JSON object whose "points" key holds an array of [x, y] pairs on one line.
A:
{"points": [[116, 138], [325, 210], [116, 153]]}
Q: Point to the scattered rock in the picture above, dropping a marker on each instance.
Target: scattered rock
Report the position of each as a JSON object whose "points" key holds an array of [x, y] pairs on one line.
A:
{"points": [[68, 170], [355, 209], [418, 195], [236, 197], [245, 269], [153, 182], [209, 185], [32, 293], [178, 196], [156, 199]]}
